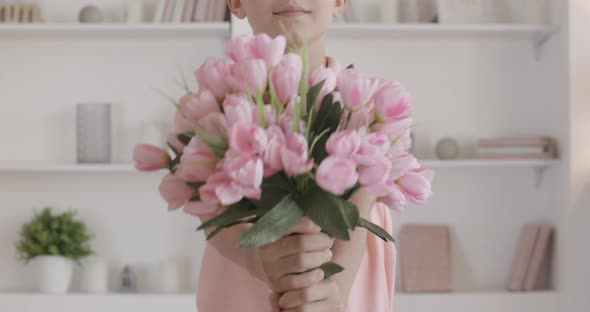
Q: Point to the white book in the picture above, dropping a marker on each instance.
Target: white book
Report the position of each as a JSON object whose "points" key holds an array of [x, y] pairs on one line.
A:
{"points": [[513, 149], [159, 14], [201, 11], [178, 11]]}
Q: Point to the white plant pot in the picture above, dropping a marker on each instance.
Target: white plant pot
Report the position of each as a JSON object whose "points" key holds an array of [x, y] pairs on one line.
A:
{"points": [[53, 273]]}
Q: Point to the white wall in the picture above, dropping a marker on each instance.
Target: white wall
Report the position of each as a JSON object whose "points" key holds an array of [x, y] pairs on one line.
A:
{"points": [[578, 214], [462, 88]]}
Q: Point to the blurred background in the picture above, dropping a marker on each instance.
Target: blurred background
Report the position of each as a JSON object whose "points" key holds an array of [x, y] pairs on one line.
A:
{"points": [[502, 98]]}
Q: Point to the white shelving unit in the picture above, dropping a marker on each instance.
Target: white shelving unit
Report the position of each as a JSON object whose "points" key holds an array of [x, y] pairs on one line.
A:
{"points": [[147, 30], [481, 302]]}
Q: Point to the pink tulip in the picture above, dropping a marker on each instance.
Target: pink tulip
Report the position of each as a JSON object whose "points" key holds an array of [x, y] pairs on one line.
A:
{"points": [[375, 174], [286, 77], [182, 123], [269, 115], [395, 200], [286, 124], [343, 143], [355, 89], [239, 49], [294, 155], [359, 119], [201, 209], [399, 134], [175, 191], [212, 75], [272, 155], [336, 175], [197, 162], [373, 147], [401, 165], [150, 158], [175, 143], [268, 49], [220, 188], [248, 77], [215, 124], [416, 185], [238, 109], [247, 139], [197, 106], [392, 103], [247, 172], [327, 75]]}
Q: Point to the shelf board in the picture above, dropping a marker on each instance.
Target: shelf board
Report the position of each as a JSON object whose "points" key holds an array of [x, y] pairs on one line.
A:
{"points": [[372, 31], [114, 168], [149, 30], [66, 168], [488, 163], [457, 302]]}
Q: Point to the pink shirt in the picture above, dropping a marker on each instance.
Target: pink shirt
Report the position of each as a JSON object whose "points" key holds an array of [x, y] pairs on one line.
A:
{"points": [[226, 287]]}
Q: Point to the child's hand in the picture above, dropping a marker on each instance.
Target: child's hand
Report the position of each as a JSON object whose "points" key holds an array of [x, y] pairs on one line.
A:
{"points": [[322, 297], [291, 262]]}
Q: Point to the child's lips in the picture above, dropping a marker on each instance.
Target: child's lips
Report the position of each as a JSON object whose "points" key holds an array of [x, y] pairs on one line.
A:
{"points": [[291, 12]]}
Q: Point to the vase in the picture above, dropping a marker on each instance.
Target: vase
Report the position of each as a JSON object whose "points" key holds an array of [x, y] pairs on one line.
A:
{"points": [[93, 132], [94, 277], [53, 274]]}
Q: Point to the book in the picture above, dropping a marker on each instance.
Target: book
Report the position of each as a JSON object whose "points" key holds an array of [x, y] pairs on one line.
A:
{"points": [[220, 11], [550, 150], [516, 141], [537, 274], [508, 156], [522, 257], [425, 255], [169, 11], [178, 11], [159, 13], [201, 11], [211, 8], [189, 11]]}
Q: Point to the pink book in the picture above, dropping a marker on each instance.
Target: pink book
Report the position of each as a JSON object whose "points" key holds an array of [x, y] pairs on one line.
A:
{"points": [[537, 274], [169, 11], [509, 156], [189, 11], [516, 141], [425, 256], [522, 257]]}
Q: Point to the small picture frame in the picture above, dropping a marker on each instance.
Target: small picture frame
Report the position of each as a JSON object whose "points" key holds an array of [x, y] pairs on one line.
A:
{"points": [[462, 11]]}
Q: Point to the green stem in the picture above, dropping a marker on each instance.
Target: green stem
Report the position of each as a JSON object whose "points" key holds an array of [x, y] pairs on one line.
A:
{"points": [[260, 104]]}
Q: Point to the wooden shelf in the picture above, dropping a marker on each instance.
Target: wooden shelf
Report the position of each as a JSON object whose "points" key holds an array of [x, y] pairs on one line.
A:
{"points": [[89, 31], [455, 302]]}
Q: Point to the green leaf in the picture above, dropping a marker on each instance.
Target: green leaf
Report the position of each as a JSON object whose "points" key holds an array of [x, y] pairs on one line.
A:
{"points": [[273, 225], [221, 227], [175, 163], [232, 214], [312, 95], [375, 229], [185, 138], [350, 212], [322, 209], [351, 192], [328, 118], [331, 268], [217, 144]]}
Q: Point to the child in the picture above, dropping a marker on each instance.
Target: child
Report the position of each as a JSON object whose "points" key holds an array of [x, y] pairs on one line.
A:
{"points": [[271, 278]]}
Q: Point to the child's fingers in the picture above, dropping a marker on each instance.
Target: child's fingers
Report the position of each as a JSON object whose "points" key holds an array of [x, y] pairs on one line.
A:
{"points": [[305, 226]]}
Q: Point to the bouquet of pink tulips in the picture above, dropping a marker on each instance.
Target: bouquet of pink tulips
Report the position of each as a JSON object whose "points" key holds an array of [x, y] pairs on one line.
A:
{"points": [[267, 142]]}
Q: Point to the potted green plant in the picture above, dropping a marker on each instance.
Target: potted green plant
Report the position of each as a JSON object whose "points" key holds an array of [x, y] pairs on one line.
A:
{"points": [[53, 242]]}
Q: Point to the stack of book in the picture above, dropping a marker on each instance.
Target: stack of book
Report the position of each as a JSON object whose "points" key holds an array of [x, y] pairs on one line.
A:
{"points": [[533, 147], [20, 13], [532, 262], [191, 11]]}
